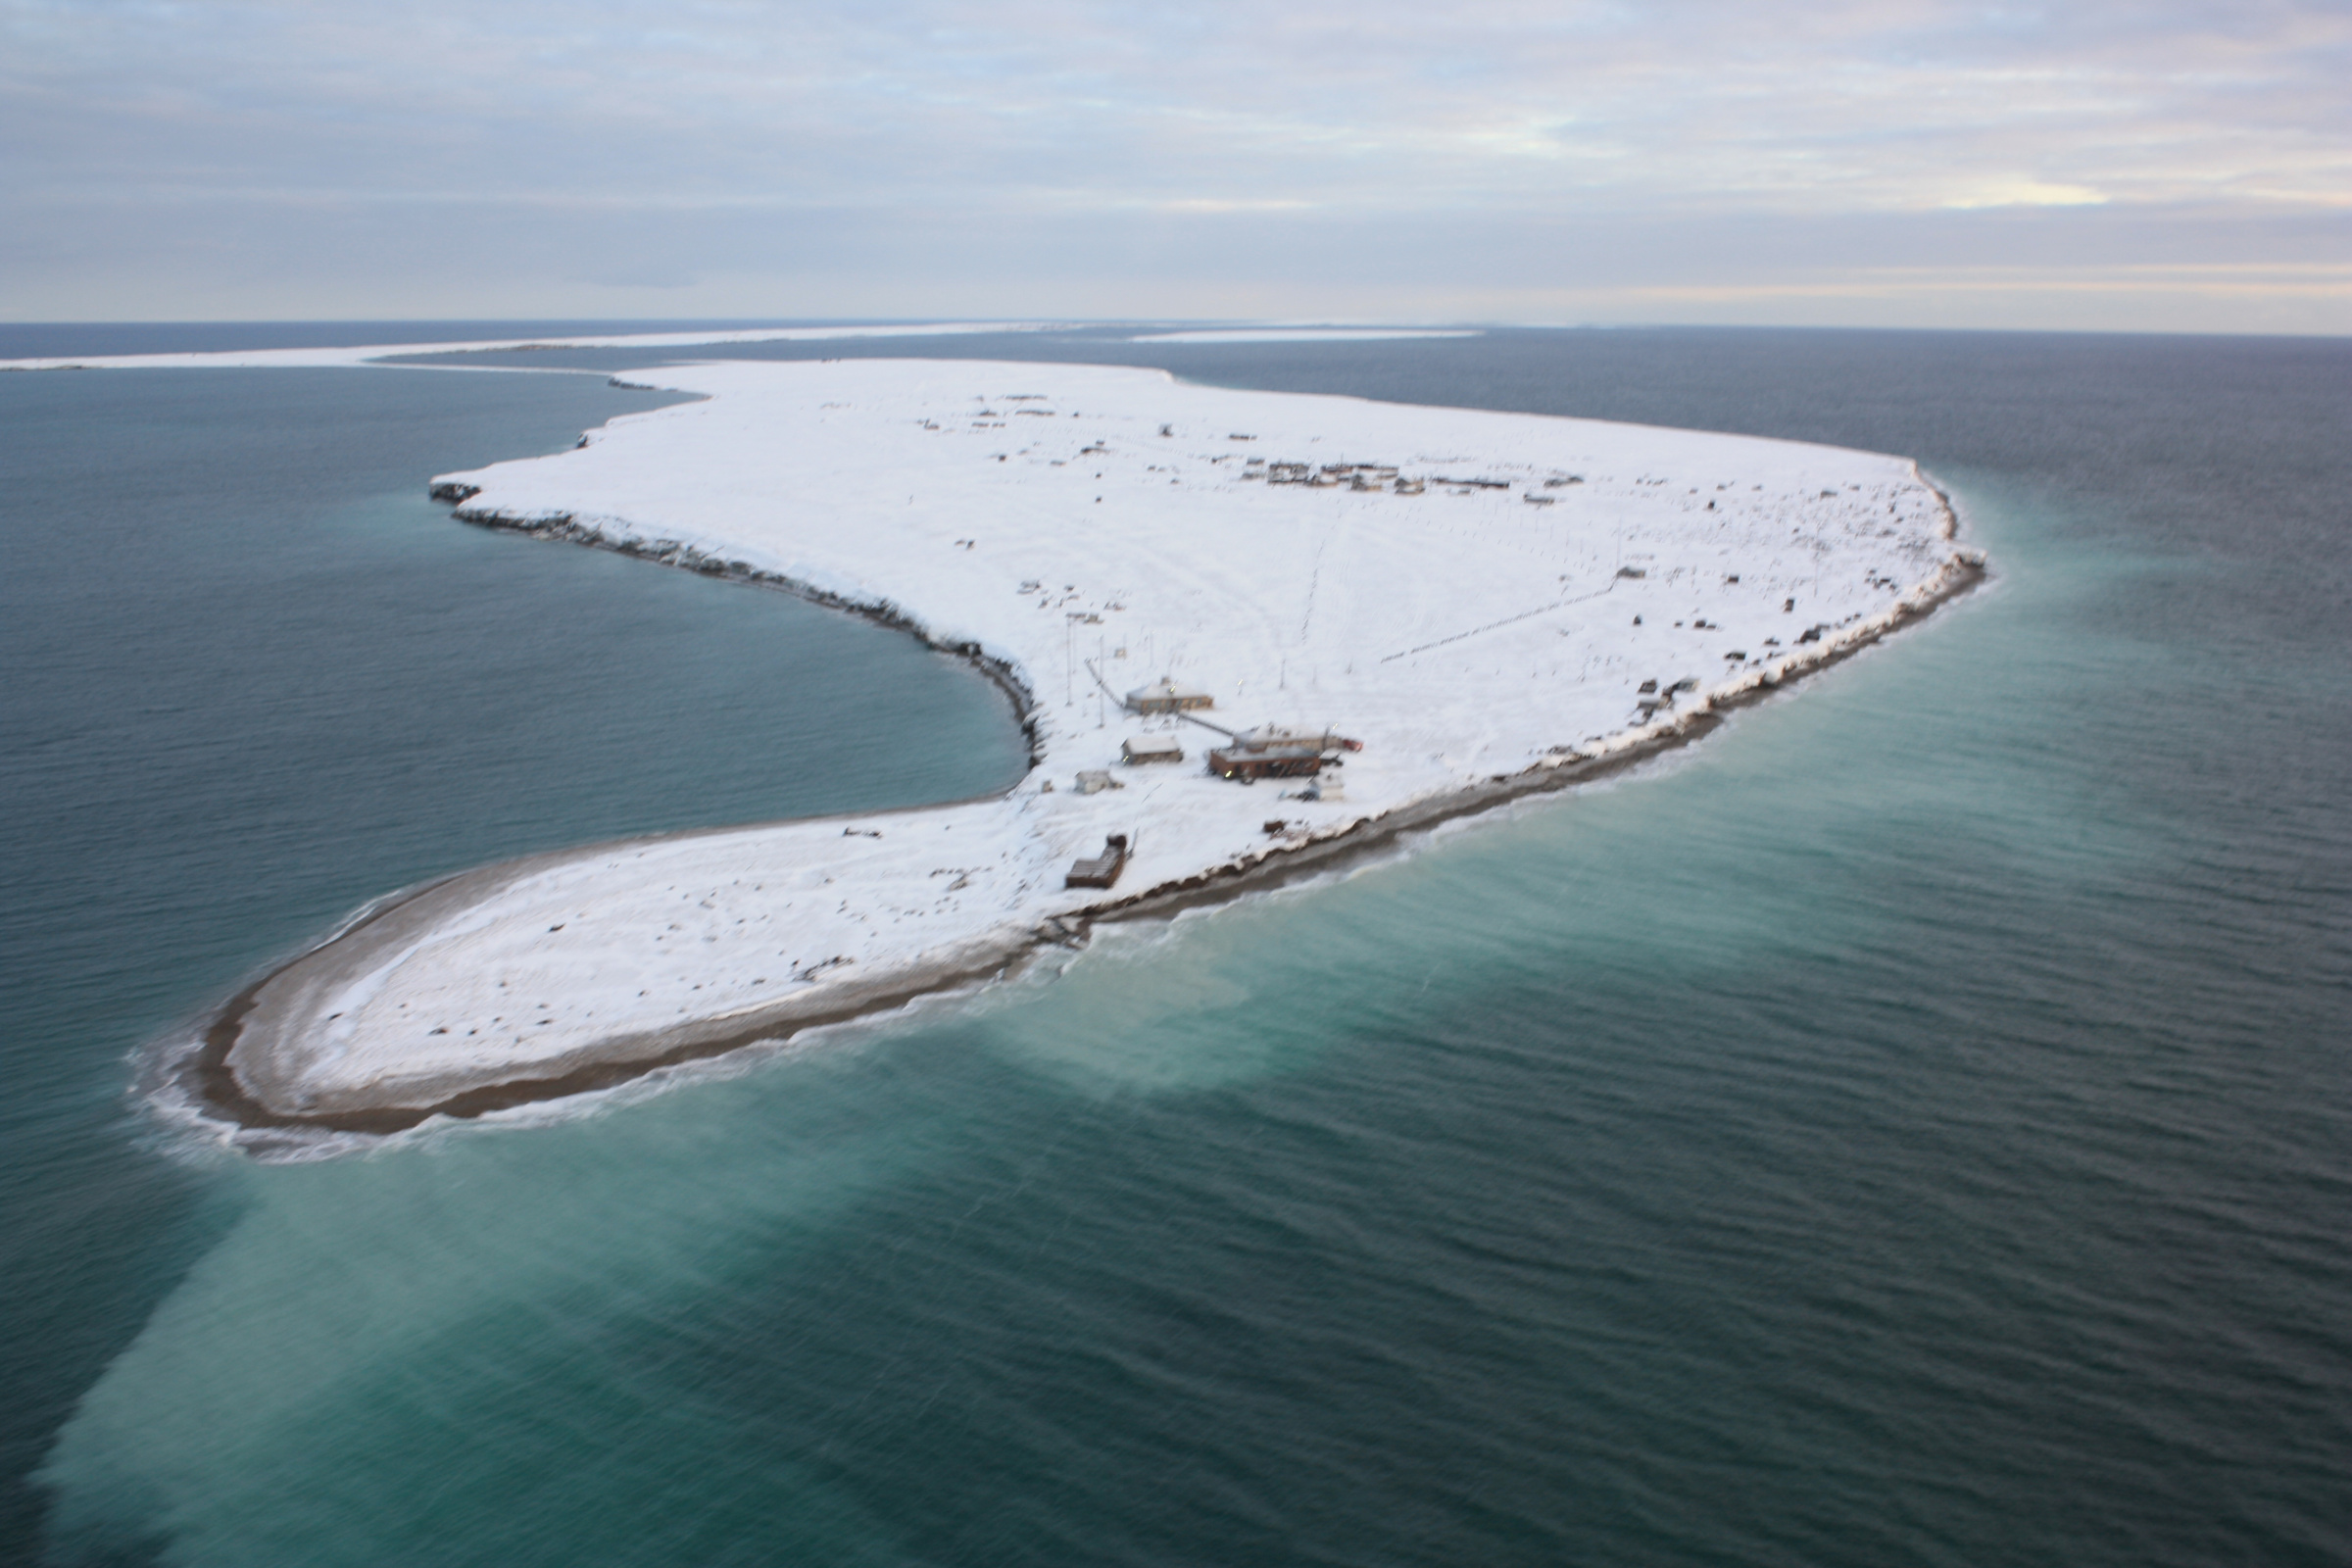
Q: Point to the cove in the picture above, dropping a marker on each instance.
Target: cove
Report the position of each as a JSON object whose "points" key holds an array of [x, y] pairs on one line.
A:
{"points": [[258, 678]]}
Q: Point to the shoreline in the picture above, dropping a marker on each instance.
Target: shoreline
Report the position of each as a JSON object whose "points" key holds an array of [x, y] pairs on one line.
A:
{"points": [[220, 1099], [564, 529], [972, 505]]}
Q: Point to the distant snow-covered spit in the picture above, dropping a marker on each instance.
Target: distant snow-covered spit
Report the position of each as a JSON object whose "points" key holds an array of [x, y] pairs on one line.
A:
{"points": [[1490, 604], [1302, 335], [359, 355]]}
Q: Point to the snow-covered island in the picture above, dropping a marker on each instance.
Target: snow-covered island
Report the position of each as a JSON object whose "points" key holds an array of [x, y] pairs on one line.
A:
{"points": [[1485, 604]]}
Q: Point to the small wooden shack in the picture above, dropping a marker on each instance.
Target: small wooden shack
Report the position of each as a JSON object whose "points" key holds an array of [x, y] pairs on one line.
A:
{"points": [[1150, 749], [1103, 869], [1271, 762], [1166, 696]]}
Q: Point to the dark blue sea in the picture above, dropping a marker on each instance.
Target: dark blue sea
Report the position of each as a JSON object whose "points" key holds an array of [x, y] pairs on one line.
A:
{"points": [[1912, 1126]]}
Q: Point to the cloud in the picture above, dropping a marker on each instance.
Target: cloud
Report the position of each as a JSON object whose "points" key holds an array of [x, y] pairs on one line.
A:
{"points": [[2025, 193], [290, 119]]}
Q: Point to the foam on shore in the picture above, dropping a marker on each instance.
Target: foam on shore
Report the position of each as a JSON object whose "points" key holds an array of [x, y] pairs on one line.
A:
{"points": [[1083, 530]]}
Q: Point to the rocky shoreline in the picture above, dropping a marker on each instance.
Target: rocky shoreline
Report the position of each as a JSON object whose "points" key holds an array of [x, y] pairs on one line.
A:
{"points": [[566, 529]]}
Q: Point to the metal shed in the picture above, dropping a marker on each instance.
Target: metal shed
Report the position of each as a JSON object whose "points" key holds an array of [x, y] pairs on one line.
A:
{"points": [[1166, 696], [1150, 749]]}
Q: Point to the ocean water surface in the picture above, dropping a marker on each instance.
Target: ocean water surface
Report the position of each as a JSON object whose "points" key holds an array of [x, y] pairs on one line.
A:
{"points": [[1910, 1126]]}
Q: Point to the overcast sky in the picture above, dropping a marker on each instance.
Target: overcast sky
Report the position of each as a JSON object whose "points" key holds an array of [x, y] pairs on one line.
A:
{"points": [[2147, 165]]}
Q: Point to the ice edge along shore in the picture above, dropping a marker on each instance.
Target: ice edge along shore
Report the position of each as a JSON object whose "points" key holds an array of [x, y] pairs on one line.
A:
{"points": [[906, 404]]}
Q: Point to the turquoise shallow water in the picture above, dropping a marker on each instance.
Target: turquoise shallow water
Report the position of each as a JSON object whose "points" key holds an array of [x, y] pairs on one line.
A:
{"points": [[1909, 1127]]}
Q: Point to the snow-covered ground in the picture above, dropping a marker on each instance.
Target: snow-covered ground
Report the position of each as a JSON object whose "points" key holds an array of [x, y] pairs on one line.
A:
{"points": [[1299, 334], [363, 354], [1071, 522]]}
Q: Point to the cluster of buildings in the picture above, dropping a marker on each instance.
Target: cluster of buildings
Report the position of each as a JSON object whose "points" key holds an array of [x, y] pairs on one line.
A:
{"points": [[1359, 477], [1267, 752]]}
